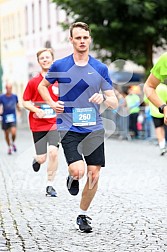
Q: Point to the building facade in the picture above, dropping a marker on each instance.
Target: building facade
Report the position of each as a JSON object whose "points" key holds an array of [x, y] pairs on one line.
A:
{"points": [[26, 26]]}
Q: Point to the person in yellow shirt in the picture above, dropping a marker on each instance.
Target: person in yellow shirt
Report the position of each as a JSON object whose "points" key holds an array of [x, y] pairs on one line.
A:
{"points": [[133, 104]]}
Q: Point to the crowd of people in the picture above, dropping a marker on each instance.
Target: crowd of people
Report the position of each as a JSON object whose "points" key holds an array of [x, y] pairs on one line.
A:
{"points": [[132, 118], [64, 102]]}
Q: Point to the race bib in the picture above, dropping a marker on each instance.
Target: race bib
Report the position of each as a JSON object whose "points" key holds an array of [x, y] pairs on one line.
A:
{"points": [[10, 118], [84, 116], [49, 112]]}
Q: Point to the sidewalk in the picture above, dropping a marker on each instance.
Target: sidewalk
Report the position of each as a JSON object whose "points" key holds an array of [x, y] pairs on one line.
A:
{"points": [[129, 211]]}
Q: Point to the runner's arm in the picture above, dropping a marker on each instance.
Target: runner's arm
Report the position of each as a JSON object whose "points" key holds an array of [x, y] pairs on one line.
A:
{"points": [[29, 106], [108, 98], [149, 89], [43, 90]]}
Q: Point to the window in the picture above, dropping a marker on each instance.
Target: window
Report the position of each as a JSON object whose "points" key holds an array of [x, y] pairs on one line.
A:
{"points": [[48, 12], [48, 44], [26, 20], [33, 19], [18, 24], [40, 15]]}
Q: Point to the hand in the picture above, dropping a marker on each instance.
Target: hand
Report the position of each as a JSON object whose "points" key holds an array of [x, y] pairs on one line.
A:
{"points": [[40, 113], [165, 115], [96, 98], [58, 107]]}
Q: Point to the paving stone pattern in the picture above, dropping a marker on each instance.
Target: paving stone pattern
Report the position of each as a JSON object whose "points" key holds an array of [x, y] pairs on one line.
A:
{"points": [[129, 211]]}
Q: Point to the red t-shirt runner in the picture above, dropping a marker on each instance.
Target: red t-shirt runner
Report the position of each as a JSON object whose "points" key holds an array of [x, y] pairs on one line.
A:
{"points": [[31, 93]]}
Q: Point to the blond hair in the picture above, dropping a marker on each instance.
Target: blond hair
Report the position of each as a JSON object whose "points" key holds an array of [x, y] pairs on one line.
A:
{"points": [[44, 50]]}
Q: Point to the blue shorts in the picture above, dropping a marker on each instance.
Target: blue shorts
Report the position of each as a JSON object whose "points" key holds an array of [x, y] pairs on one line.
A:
{"points": [[88, 145]]}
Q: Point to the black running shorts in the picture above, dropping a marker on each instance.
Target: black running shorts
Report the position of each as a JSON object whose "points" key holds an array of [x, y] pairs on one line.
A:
{"points": [[87, 145], [6, 126], [42, 138], [158, 122]]}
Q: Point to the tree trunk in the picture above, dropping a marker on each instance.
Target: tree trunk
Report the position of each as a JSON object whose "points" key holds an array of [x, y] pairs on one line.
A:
{"points": [[149, 56]]}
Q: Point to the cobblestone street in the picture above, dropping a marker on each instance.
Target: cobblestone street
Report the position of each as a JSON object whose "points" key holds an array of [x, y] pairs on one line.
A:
{"points": [[129, 211]]}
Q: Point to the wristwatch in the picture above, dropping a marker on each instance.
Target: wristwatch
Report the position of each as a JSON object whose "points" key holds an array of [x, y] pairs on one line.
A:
{"points": [[161, 108]]}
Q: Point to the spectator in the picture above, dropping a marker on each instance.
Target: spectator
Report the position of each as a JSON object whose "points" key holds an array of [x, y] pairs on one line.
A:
{"points": [[133, 104], [147, 120]]}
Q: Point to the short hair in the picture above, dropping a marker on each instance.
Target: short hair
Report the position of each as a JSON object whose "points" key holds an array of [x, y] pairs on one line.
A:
{"points": [[45, 50], [80, 25], [8, 85]]}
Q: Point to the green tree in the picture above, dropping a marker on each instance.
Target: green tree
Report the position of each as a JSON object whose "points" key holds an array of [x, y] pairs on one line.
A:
{"points": [[126, 29]]}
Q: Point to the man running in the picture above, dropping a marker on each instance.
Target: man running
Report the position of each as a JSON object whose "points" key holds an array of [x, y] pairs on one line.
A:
{"points": [[42, 120], [9, 103], [84, 84]]}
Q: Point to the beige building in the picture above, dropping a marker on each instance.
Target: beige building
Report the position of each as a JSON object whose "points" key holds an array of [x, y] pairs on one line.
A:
{"points": [[26, 26]]}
